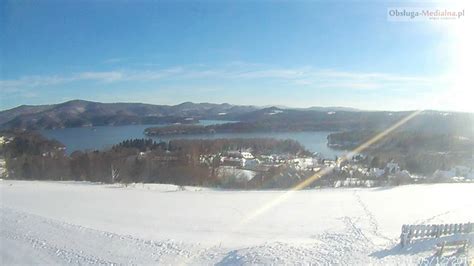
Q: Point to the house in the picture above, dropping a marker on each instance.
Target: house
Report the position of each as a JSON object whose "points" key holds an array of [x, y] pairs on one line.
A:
{"points": [[239, 159], [351, 182], [239, 154], [377, 172], [392, 168], [273, 160], [246, 155], [329, 163], [354, 182], [305, 163]]}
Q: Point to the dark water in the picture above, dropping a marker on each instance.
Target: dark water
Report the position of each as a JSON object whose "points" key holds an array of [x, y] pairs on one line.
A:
{"points": [[105, 136]]}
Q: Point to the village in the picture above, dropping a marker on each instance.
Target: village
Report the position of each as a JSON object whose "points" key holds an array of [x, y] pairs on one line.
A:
{"points": [[231, 164], [284, 170]]}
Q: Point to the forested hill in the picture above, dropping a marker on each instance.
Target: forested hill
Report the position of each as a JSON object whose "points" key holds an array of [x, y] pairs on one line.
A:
{"points": [[282, 120], [80, 113]]}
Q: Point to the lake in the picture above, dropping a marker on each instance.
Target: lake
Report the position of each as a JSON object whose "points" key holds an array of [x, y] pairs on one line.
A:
{"points": [[102, 137]]}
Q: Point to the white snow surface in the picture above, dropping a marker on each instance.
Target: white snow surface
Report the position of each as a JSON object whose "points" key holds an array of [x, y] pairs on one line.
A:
{"points": [[83, 223]]}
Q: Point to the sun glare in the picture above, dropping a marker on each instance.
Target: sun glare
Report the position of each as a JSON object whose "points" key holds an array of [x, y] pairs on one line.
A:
{"points": [[458, 93]]}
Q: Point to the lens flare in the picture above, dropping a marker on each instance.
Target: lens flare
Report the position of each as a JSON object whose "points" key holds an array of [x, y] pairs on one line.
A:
{"points": [[458, 93]]}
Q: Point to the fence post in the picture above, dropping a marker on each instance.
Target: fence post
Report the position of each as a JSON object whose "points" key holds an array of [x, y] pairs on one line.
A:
{"points": [[403, 236], [433, 230]]}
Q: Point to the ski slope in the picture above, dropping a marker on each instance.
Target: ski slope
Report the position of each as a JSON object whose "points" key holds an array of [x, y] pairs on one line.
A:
{"points": [[84, 223]]}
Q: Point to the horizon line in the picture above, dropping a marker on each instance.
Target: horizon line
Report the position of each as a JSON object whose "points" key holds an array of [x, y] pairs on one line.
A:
{"points": [[279, 106]]}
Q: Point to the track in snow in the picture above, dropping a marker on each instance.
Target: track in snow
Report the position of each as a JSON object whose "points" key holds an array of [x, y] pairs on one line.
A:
{"points": [[83, 224]]}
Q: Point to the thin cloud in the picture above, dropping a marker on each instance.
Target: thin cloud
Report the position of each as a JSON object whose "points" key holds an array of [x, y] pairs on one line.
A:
{"points": [[235, 72], [99, 76]]}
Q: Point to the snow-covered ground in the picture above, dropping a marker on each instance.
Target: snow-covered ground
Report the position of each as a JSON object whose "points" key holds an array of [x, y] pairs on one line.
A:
{"points": [[85, 223]]}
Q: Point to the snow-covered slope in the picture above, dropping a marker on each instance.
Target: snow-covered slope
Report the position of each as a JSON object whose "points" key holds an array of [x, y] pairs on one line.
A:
{"points": [[84, 223]]}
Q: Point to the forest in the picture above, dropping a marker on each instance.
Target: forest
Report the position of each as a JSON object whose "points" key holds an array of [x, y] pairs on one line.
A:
{"points": [[420, 152], [30, 156], [283, 120]]}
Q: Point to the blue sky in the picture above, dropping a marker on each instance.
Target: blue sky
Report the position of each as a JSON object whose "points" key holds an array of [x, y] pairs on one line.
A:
{"points": [[303, 53]]}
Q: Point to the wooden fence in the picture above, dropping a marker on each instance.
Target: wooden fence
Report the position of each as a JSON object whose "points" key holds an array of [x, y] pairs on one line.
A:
{"points": [[410, 232]]}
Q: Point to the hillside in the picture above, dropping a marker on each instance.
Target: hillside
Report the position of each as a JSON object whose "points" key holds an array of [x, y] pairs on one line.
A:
{"points": [[80, 113], [85, 223], [275, 119]]}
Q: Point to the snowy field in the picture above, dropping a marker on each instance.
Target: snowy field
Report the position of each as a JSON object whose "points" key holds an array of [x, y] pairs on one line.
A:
{"points": [[85, 223]]}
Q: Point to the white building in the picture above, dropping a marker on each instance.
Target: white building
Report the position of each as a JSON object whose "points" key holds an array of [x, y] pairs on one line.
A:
{"points": [[392, 167], [246, 155], [305, 163]]}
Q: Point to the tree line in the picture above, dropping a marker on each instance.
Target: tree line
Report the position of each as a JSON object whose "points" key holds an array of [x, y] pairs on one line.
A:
{"points": [[420, 152], [30, 156]]}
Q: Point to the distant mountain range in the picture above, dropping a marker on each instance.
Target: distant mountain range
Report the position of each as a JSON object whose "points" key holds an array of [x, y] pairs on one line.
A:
{"points": [[79, 113], [275, 119], [318, 108]]}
